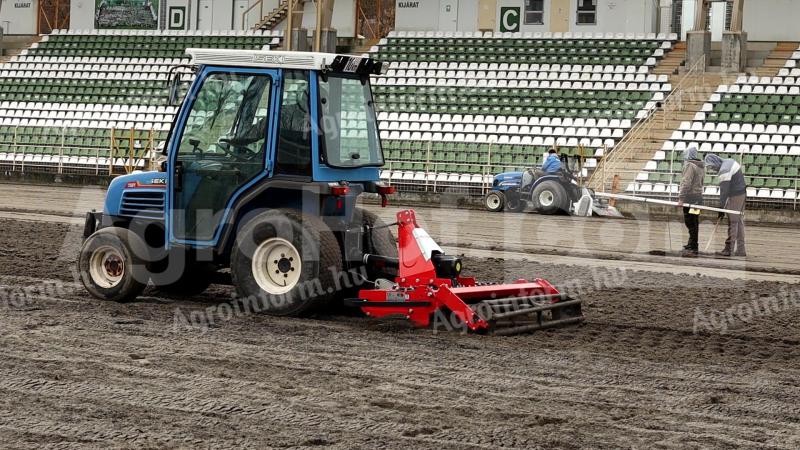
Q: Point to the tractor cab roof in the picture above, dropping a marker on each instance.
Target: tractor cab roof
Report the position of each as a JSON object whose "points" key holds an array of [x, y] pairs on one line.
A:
{"points": [[326, 62]]}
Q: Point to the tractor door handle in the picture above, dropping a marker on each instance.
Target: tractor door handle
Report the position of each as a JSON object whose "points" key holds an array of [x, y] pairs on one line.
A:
{"points": [[178, 176]]}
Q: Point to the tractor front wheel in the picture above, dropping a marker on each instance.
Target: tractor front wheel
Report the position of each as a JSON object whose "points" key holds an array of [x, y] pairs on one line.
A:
{"points": [[549, 197], [286, 263], [110, 266], [494, 201]]}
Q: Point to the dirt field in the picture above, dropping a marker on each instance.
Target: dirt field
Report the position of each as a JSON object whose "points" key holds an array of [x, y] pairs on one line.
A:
{"points": [[670, 360]]}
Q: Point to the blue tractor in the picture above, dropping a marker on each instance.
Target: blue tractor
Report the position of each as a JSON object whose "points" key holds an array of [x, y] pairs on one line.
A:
{"points": [[264, 164], [546, 193]]}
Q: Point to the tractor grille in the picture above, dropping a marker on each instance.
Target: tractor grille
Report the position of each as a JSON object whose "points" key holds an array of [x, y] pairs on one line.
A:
{"points": [[144, 205]]}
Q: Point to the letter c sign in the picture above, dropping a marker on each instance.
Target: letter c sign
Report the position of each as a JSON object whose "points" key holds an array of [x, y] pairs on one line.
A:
{"points": [[509, 19]]}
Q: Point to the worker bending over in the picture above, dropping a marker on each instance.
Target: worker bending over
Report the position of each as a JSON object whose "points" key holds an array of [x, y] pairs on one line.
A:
{"points": [[732, 195], [691, 192]]}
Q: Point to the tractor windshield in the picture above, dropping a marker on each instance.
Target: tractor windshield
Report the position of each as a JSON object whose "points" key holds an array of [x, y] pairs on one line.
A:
{"points": [[348, 123]]}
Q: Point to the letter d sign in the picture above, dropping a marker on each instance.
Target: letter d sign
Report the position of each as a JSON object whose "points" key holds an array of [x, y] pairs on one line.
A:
{"points": [[509, 19]]}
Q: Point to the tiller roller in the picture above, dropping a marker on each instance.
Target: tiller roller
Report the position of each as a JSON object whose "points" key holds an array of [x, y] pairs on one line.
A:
{"points": [[428, 290]]}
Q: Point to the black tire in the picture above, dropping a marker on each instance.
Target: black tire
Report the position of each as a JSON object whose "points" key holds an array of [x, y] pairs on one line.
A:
{"points": [[549, 197], [514, 203], [306, 252], [376, 240], [380, 241], [110, 267], [494, 201], [194, 280]]}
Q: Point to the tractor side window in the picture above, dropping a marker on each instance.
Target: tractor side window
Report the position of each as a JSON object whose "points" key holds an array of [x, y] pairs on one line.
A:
{"points": [[294, 137], [228, 120], [348, 123]]}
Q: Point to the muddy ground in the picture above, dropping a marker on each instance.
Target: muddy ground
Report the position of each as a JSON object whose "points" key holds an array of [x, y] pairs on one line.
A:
{"points": [[77, 372]]}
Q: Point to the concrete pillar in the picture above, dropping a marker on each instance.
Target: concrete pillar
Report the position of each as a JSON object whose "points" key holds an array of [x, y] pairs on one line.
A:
{"points": [[328, 41], [737, 15], [734, 52], [665, 15], [300, 40], [698, 45], [701, 15]]}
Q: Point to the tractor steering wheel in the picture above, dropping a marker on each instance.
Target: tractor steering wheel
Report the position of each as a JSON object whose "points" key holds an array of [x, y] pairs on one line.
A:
{"points": [[238, 148]]}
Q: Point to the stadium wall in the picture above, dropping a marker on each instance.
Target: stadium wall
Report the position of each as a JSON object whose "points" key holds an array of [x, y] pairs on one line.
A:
{"points": [[764, 20], [19, 17], [772, 20], [631, 16]]}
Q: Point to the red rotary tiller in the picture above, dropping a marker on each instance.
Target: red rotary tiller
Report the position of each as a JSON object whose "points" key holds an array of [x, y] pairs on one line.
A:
{"points": [[428, 288]]}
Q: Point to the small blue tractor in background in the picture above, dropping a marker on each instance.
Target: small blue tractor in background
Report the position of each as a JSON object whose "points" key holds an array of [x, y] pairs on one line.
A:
{"points": [[546, 193]]}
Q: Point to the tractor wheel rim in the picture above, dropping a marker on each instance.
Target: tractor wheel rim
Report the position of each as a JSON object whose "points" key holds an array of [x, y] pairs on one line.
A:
{"points": [[276, 266], [107, 267], [493, 201], [546, 198]]}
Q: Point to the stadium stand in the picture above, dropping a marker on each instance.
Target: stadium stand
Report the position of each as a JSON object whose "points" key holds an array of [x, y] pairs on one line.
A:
{"points": [[94, 100], [756, 121], [456, 107]]}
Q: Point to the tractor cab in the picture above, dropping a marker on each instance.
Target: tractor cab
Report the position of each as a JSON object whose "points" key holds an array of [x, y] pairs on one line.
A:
{"points": [[265, 125]]}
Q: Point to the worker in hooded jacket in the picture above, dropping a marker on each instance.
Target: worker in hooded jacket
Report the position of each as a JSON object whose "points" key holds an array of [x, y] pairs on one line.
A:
{"points": [[691, 192], [732, 195]]}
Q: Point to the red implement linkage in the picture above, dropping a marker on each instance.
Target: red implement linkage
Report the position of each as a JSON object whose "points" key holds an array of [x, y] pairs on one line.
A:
{"points": [[429, 283]]}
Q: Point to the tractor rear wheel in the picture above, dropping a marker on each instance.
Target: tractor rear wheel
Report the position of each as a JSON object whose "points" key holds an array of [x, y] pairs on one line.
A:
{"points": [[549, 197], [494, 201], [380, 241], [377, 239], [286, 263], [110, 265]]}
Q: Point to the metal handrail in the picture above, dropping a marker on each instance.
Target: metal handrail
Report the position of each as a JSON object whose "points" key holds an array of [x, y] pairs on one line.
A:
{"points": [[247, 11], [645, 125]]}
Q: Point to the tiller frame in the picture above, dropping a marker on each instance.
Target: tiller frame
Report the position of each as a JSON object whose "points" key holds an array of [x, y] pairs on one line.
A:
{"points": [[428, 284]]}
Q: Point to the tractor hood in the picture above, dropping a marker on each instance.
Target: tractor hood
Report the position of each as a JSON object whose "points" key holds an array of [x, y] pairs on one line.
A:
{"points": [[507, 179], [140, 194]]}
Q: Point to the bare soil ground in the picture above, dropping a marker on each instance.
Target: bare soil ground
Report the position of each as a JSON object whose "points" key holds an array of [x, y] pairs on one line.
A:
{"points": [[77, 372]]}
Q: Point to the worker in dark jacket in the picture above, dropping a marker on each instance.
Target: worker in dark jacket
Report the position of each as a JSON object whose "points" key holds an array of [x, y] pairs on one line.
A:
{"points": [[732, 195], [691, 192]]}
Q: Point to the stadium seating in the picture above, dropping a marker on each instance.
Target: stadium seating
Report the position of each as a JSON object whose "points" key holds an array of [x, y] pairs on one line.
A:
{"points": [[754, 121], [462, 106], [71, 98]]}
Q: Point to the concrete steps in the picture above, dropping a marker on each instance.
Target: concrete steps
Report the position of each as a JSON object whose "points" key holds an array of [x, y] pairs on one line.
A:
{"points": [[776, 59], [14, 45], [672, 61], [649, 140], [365, 46], [275, 17]]}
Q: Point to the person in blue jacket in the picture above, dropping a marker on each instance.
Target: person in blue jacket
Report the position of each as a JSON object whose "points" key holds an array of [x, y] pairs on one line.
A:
{"points": [[552, 164]]}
